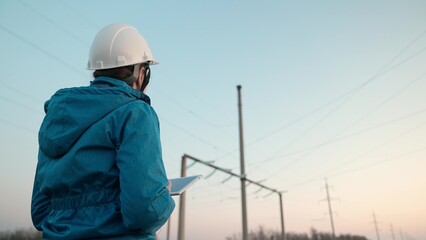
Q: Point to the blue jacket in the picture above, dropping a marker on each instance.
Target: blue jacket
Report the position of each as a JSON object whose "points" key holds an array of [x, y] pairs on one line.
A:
{"points": [[100, 172]]}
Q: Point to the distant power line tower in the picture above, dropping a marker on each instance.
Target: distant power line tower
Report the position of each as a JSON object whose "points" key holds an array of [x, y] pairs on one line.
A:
{"points": [[402, 235], [333, 233], [392, 232], [375, 225]]}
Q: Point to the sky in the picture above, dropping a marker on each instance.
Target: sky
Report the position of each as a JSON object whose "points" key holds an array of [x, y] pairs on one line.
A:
{"points": [[332, 91]]}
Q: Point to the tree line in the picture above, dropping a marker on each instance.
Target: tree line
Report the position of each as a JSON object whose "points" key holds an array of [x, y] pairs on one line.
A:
{"points": [[21, 234], [263, 234]]}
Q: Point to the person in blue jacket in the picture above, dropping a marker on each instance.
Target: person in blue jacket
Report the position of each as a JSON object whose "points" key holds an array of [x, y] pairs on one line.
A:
{"points": [[100, 172]]}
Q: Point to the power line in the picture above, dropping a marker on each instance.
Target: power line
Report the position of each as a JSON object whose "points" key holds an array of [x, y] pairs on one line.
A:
{"points": [[23, 39], [360, 168], [53, 23], [351, 94], [21, 105], [190, 111], [355, 158], [377, 163], [379, 147], [384, 102], [348, 94], [22, 93], [371, 150], [18, 126], [345, 137], [307, 131], [291, 124], [297, 160], [195, 136], [79, 14], [403, 51], [300, 118]]}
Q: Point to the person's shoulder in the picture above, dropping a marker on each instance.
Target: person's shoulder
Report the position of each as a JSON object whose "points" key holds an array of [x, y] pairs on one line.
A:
{"points": [[139, 110], [68, 90], [138, 105]]}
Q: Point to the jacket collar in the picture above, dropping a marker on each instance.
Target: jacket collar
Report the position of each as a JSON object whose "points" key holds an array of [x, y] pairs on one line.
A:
{"points": [[112, 82]]}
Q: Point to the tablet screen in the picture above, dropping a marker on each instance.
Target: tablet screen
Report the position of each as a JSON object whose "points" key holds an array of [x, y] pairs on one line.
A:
{"points": [[179, 185]]}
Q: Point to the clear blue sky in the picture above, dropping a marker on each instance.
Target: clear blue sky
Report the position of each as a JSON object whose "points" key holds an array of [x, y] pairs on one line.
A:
{"points": [[330, 89]]}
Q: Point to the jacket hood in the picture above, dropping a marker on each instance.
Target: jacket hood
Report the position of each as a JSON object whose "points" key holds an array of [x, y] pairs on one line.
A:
{"points": [[71, 111]]}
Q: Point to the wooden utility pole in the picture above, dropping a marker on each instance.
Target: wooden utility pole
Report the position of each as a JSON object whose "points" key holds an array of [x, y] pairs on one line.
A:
{"points": [[168, 227], [242, 176], [283, 237], [242, 168], [181, 228]]}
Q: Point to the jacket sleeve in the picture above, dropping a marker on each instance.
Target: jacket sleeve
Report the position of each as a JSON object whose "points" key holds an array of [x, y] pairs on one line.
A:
{"points": [[146, 203], [40, 203]]}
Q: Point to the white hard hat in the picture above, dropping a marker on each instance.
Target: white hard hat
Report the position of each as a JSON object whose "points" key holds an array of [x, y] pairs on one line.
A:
{"points": [[118, 45]]}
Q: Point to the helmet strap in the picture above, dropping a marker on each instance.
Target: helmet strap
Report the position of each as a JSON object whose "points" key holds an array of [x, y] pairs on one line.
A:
{"points": [[147, 76], [131, 79]]}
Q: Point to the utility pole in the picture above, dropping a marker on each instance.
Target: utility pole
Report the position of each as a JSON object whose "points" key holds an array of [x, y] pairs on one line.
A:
{"points": [[375, 224], [168, 227], [333, 236], [227, 171], [283, 237], [243, 178], [402, 235], [181, 228], [242, 168], [392, 232]]}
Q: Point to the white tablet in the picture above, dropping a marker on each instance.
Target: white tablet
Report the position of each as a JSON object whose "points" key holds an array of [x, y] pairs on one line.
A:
{"points": [[179, 185]]}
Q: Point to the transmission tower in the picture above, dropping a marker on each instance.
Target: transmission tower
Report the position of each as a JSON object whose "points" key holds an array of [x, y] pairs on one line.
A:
{"points": [[330, 211], [375, 225], [392, 232]]}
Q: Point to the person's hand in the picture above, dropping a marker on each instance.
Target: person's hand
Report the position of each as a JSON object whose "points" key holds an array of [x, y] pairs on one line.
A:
{"points": [[169, 186]]}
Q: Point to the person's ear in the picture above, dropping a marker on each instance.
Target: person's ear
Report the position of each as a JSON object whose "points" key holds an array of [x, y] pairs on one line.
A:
{"points": [[139, 81]]}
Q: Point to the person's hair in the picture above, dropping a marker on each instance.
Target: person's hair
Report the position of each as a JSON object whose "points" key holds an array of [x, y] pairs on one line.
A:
{"points": [[120, 73]]}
